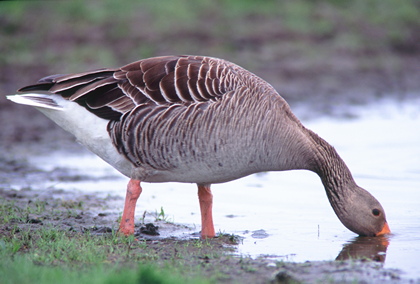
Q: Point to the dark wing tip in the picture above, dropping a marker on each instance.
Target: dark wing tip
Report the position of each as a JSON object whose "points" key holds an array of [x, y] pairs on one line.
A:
{"points": [[39, 87], [43, 84]]}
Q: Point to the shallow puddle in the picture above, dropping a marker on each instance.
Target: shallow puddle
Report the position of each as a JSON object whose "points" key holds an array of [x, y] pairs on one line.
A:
{"points": [[286, 215]]}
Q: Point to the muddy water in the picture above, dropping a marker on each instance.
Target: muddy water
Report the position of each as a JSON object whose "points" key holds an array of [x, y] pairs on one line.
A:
{"points": [[286, 215]]}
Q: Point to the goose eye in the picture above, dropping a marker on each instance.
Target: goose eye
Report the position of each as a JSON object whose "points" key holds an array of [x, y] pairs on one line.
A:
{"points": [[376, 212]]}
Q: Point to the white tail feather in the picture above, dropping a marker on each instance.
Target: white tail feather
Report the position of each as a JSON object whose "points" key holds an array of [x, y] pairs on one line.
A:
{"points": [[36, 100]]}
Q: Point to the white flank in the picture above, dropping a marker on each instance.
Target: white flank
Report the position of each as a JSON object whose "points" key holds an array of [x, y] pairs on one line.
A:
{"points": [[89, 129]]}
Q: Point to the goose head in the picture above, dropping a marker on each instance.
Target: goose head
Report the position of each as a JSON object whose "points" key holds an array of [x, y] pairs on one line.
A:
{"points": [[357, 209], [361, 213]]}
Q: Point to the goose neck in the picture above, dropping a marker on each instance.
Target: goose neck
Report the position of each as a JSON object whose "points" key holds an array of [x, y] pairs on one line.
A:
{"points": [[334, 173]]}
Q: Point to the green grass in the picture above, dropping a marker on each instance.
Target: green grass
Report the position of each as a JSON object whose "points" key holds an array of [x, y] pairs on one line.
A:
{"points": [[161, 216], [49, 255], [22, 270], [43, 253]]}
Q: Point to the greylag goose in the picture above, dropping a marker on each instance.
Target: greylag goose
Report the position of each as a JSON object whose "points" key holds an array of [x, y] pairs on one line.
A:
{"points": [[200, 120]]}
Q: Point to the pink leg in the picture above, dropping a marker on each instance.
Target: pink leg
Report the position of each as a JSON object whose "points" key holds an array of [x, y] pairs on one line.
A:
{"points": [[206, 203], [127, 219]]}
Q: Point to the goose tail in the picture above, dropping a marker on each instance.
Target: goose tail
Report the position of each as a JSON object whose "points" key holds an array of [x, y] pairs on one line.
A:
{"points": [[36, 100]]}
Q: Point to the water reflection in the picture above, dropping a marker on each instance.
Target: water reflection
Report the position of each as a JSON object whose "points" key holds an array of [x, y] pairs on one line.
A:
{"points": [[373, 248]]}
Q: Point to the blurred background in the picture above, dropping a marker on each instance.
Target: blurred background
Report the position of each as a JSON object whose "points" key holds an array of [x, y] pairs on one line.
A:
{"points": [[326, 54]]}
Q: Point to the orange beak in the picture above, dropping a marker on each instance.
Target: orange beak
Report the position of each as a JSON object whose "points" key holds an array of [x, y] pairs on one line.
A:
{"points": [[385, 230]]}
